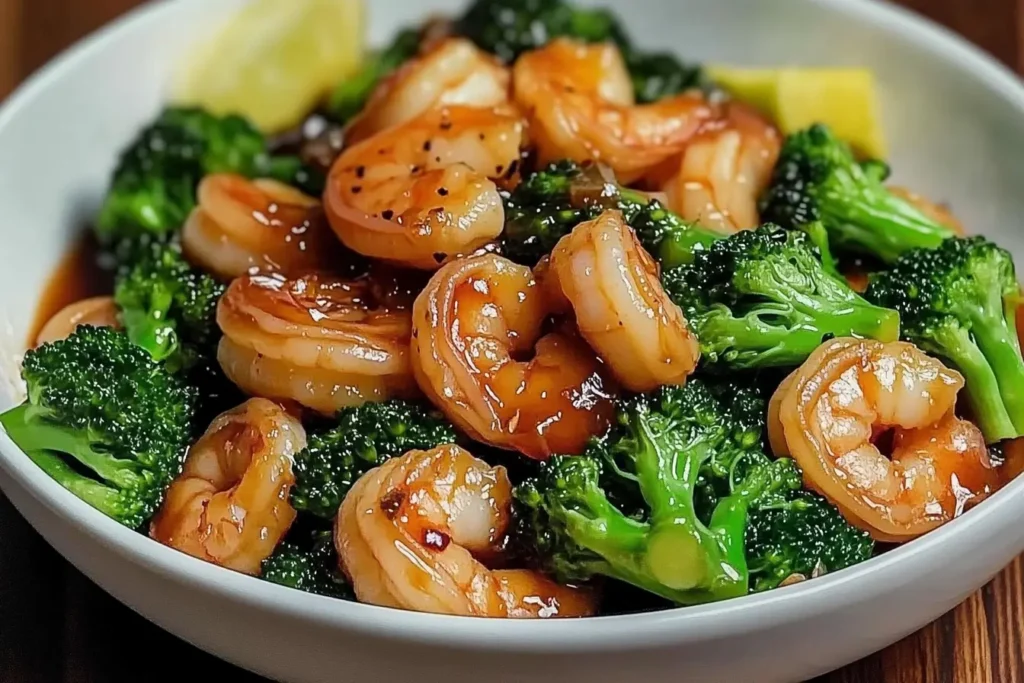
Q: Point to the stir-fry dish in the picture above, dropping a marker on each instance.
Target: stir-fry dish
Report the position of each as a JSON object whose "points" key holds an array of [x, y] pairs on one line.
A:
{"points": [[525, 321]]}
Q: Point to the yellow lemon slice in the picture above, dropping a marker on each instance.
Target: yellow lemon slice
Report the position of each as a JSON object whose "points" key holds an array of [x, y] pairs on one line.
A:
{"points": [[846, 100], [275, 60]]}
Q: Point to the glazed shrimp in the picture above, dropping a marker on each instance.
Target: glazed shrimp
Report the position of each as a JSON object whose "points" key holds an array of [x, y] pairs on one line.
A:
{"points": [[723, 171], [322, 341], [424, 190], [829, 412], [472, 327], [410, 534], [454, 72], [621, 309], [244, 226], [99, 311], [579, 99], [230, 504]]}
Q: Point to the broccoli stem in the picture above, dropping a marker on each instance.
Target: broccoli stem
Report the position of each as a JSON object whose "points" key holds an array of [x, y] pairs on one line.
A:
{"points": [[887, 223], [103, 498], [999, 344], [670, 239], [982, 388]]}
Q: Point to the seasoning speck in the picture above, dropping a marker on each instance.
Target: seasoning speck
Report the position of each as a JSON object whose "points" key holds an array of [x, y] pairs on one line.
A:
{"points": [[443, 191], [387, 214]]}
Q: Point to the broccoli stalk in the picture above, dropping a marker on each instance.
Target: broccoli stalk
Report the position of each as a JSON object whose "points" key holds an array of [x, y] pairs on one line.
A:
{"points": [[764, 298], [104, 420], [551, 202], [817, 178], [351, 95], [363, 437], [959, 301]]}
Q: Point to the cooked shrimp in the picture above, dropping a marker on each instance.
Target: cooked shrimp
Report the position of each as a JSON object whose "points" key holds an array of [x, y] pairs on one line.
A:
{"points": [[245, 226], [320, 340], [849, 391], [472, 327], [99, 311], [724, 169], [579, 99], [937, 212], [621, 308], [410, 534], [422, 191], [454, 72], [230, 504]]}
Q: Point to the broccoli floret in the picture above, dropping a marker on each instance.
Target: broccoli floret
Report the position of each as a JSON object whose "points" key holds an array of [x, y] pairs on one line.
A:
{"points": [[802, 535], [763, 298], [627, 508], [657, 75], [308, 562], [153, 188], [168, 307], [363, 437], [551, 202], [104, 420], [351, 95], [959, 301], [817, 178]]}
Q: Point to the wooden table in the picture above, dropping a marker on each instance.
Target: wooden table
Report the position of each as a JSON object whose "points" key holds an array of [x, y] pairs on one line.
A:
{"points": [[65, 629]]}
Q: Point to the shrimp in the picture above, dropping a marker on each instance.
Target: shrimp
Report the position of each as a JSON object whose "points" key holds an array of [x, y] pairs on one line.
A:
{"points": [[723, 171], [320, 340], [423, 191], [580, 102], [472, 327], [454, 72], [245, 226], [230, 504], [829, 413], [410, 534], [99, 311], [621, 308]]}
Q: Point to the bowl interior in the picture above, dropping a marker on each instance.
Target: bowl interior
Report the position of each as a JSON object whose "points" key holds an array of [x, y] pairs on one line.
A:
{"points": [[953, 120]]}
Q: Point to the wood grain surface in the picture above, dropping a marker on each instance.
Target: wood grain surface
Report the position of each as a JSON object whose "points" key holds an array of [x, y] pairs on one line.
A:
{"points": [[57, 613]]}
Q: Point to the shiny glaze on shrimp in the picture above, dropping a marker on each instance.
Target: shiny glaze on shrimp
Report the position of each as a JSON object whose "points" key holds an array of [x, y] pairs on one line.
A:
{"points": [[724, 169], [411, 534], [579, 99], [621, 308], [230, 504], [98, 311], [830, 411], [472, 326], [423, 191], [320, 340], [244, 226], [453, 72]]}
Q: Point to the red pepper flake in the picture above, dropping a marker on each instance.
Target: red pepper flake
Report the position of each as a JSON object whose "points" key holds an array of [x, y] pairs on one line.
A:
{"points": [[436, 540], [391, 503]]}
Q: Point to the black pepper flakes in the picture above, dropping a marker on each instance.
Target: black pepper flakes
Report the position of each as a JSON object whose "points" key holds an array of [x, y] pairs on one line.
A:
{"points": [[356, 189], [440, 256], [387, 214], [446, 125], [443, 191], [499, 169], [427, 145], [360, 171]]}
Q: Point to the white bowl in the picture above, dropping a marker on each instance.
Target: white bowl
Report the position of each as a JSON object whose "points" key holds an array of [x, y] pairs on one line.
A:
{"points": [[956, 122]]}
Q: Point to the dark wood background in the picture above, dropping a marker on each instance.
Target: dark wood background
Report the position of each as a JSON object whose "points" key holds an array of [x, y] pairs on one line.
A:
{"points": [[59, 627]]}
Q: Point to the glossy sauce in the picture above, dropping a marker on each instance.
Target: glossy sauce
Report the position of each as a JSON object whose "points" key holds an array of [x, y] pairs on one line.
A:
{"points": [[78, 276]]}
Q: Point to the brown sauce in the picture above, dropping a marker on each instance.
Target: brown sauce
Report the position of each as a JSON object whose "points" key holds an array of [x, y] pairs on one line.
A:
{"points": [[78, 276]]}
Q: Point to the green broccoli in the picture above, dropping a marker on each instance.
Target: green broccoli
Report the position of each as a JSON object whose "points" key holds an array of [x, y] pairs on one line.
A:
{"points": [[154, 184], [763, 298], [362, 438], [551, 202], [104, 420], [657, 75], [308, 562], [803, 535], [168, 307], [351, 95], [959, 301], [817, 179]]}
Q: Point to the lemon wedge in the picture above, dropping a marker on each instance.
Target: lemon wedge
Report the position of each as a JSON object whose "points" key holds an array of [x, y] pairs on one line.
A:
{"points": [[274, 60], [845, 100]]}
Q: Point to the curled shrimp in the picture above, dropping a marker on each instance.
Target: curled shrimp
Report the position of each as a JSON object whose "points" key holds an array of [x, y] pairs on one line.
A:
{"points": [[320, 340], [410, 534], [423, 191], [229, 505], [579, 99], [724, 169], [472, 327], [453, 72], [830, 412], [243, 226], [621, 308], [99, 311]]}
